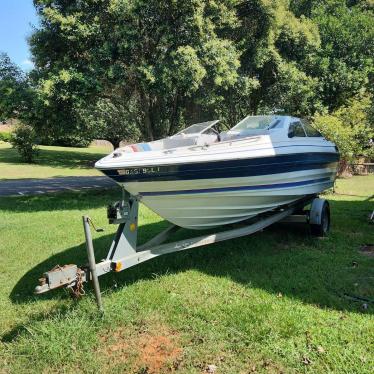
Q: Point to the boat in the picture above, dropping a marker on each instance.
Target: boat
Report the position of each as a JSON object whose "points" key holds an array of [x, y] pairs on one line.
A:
{"points": [[266, 169], [203, 177]]}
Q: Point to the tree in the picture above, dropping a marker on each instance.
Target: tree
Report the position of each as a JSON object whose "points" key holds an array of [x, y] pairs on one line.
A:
{"points": [[275, 47], [156, 54], [106, 67], [14, 90], [23, 139], [344, 64], [111, 120], [174, 61]]}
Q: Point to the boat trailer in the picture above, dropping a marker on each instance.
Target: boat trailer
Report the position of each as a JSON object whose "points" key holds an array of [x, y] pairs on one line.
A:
{"points": [[125, 253]]}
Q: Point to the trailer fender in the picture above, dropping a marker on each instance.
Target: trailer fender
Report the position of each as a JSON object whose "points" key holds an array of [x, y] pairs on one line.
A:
{"points": [[316, 211]]}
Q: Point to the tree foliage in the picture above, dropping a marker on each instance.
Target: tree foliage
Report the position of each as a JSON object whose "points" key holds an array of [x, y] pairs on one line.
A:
{"points": [[15, 95], [345, 63], [129, 68], [350, 127], [111, 120], [157, 54]]}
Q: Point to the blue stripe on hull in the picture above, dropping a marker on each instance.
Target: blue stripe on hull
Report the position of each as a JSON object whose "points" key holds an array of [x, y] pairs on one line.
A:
{"points": [[225, 169], [239, 188]]}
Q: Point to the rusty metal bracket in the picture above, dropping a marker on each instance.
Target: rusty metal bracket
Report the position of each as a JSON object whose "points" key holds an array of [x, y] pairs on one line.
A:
{"points": [[60, 276]]}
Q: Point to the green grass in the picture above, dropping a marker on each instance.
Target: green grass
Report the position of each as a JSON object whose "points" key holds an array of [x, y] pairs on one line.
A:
{"points": [[51, 162], [271, 302]]}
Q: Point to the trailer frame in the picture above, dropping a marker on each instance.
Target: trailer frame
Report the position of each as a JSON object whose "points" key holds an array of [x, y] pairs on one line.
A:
{"points": [[125, 253]]}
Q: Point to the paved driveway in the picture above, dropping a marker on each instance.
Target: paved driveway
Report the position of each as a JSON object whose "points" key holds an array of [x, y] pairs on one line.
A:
{"points": [[40, 186]]}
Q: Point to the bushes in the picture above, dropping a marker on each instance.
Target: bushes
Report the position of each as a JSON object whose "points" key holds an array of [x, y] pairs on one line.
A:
{"points": [[69, 140], [24, 141], [350, 127], [5, 136], [334, 129]]}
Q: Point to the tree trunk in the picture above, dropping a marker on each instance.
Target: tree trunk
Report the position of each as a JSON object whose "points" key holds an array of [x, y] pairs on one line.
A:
{"points": [[115, 143], [174, 116], [147, 116]]}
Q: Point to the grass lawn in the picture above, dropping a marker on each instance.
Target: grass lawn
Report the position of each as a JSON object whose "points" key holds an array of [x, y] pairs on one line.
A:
{"points": [[51, 162], [277, 301]]}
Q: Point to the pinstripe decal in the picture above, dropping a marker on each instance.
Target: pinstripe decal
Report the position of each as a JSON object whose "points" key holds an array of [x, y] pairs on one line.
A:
{"points": [[239, 188]]}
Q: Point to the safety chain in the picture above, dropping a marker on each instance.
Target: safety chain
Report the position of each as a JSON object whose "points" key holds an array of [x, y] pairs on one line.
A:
{"points": [[76, 289]]}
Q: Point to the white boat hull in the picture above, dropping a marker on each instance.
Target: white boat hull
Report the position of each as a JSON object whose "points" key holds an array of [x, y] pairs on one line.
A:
{"points": [[205, 186], [202, 204]]}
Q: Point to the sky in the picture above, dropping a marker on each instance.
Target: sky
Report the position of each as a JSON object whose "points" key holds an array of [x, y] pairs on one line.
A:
{"points": [[16, 20]]}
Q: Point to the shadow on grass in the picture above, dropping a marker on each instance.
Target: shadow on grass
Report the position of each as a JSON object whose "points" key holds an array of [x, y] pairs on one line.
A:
{"points": [[66, 159], [71, 200], [283, 259]]}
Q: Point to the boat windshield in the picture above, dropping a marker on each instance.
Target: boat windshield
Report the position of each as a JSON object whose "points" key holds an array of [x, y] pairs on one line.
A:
{"points": [[257, 123], [310, 130], [198, 128]]}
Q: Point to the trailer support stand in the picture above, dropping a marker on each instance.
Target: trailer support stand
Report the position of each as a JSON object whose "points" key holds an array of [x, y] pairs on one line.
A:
{"points": [[92, 263]]}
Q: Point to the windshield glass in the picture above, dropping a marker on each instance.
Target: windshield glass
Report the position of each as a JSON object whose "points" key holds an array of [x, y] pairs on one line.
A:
{"points": [[310, 130], [255, 123], [197, 128]]}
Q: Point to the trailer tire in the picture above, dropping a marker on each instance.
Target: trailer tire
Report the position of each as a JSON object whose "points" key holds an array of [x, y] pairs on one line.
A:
{"points": [[322, 228]]}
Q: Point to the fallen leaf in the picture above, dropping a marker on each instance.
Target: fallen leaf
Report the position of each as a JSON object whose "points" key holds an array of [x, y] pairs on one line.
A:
{"points": [[211, 369], [320, 349]]}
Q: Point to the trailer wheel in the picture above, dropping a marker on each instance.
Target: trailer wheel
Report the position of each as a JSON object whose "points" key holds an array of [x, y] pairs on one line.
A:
{"points": [[320, 217]]}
